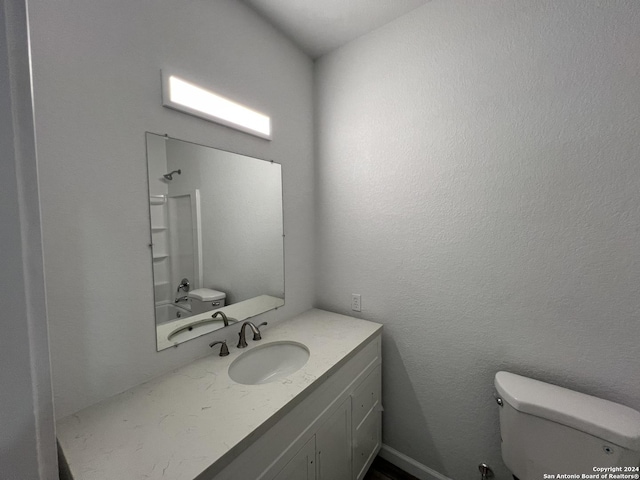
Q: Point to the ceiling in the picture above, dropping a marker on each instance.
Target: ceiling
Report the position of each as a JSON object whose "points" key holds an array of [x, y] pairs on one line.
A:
{"points": [[319, 26]]}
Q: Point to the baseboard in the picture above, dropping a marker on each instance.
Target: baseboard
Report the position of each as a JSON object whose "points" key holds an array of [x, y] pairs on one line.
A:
{"points": [[409, 465]]}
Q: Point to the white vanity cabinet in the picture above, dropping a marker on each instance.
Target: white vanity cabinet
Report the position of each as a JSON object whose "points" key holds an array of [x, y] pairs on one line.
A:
{"points": [[333, 434], [321, 422]]}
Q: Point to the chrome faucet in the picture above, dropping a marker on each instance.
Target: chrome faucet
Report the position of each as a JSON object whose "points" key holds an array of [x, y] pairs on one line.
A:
{"points": [[224, 317], [181, 299], [224, 350], [242, 343]]}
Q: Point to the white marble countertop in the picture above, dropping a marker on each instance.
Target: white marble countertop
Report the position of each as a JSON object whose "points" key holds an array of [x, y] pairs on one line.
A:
{"points": [[183, 422]]}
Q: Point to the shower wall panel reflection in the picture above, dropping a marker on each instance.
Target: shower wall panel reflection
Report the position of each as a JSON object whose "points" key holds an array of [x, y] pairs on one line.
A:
{"points": [[218, 223]]}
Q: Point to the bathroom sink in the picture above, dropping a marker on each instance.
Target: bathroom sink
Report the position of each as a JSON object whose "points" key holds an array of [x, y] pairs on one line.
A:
{"points": [[200, 323], [268, 363]]}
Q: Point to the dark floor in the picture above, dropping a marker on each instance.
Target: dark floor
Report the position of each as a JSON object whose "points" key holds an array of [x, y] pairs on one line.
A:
{"points": [[383, 470]]}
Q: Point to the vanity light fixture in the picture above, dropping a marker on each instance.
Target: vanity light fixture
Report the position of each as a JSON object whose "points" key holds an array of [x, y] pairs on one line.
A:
{"points": [[186, 97]]}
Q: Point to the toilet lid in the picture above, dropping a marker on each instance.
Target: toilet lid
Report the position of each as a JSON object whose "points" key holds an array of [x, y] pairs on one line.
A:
{"points": [[207, 294]]}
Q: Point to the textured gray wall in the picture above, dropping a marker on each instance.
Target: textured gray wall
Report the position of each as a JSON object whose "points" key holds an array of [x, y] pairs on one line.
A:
{"points": [[478, 184], [97, 90]]}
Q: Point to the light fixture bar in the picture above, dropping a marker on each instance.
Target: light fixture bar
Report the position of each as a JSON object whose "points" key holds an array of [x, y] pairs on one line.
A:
{"points": [[194, 100]]}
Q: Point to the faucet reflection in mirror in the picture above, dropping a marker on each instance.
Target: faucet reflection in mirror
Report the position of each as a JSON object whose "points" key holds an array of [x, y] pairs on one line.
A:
{"points": [[216, 237]]}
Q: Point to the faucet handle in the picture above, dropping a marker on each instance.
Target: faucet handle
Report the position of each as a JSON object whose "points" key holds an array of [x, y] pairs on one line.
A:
{"points": [[257, 335], [224, 350]]}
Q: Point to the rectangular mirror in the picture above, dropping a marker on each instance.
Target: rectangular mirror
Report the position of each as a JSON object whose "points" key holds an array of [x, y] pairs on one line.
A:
{"points": [[216, 237]]}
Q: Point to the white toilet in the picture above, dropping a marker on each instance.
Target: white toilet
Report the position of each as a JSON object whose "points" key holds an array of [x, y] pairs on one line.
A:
{"points": [[551, 430], [206, 299]]}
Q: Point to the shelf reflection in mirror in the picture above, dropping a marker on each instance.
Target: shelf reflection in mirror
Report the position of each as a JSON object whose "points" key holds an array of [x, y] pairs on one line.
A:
{"points": [[216, 222]]}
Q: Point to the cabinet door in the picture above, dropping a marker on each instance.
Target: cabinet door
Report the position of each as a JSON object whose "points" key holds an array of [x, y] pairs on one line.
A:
{"points": [[333, 444], [302, 466]]}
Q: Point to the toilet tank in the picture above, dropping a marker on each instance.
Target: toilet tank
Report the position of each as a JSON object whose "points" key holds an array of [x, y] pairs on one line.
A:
{"points": [[551, 430], [206, 299]]}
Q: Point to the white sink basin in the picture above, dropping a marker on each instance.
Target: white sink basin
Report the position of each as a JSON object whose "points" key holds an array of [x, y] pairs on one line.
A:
{"points": [[268, 363]]}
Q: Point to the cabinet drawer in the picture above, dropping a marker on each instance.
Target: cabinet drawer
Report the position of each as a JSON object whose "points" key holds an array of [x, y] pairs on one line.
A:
{"points": [[366, 397], [366, 442]]}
